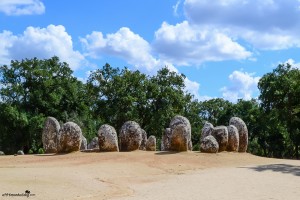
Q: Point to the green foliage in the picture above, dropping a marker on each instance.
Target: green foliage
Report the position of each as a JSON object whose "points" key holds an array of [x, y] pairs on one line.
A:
{"points": [[280, 92], [41, 151]]}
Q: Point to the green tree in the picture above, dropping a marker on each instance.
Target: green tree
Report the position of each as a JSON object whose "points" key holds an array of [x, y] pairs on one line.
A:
{"points": [[280, 92], [33, 89]]}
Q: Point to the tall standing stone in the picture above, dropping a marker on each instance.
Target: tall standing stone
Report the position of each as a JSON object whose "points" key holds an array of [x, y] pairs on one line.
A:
{"points": [[233, 138], [70, 137], [50, 135], [108, 139], [243, 132], [130, 137], [220, 133], [180, 139]]}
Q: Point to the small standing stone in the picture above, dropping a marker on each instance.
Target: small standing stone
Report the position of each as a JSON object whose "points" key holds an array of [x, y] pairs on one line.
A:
{"points": [[151, 143], [83, 145], [94, 144], [144, 140], [20, 152]]}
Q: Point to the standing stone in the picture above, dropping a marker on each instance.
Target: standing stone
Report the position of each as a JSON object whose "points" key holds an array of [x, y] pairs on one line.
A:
{"points": [[151, 143], [144, 140], [180, 139], [2, 153], [243, 132], [50, 135], [209, 145], [130, 137], [206, 130], [94, 144], [233, 138], [107, 138], [83, 145], [20, 152], [165, 140], [220, 133], [70, 137]]}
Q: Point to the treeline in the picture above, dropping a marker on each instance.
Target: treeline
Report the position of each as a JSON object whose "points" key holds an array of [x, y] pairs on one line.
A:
{"points": [[33, 89]]}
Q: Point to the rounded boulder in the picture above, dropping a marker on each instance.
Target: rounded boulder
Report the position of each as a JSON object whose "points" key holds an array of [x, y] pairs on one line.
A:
{"points": [[107, 138], [209, 145]]}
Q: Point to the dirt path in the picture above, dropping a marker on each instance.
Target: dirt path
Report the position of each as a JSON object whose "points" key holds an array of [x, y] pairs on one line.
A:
{"points": [[149, 175]]}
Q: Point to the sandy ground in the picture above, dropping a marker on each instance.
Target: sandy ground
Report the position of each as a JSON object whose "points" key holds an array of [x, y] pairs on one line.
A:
{"points": [[149, 175]]}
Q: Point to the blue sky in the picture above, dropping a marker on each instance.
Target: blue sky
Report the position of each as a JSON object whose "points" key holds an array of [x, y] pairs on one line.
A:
{"points": [[222, 46]]}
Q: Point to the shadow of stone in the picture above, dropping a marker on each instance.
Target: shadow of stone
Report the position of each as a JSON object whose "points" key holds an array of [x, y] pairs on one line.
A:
{"points": [[282, 168], [160, 153]]}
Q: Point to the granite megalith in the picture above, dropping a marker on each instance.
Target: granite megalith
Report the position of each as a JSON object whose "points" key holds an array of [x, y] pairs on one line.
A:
{"points": [[94, 143], [130, 137], [243, 132], [144, 140], [233, 138], [107, 138], [209, 145], [220, 133], [165, 140], [151, 143], [180, 138], [50, 135], [69, 138]]}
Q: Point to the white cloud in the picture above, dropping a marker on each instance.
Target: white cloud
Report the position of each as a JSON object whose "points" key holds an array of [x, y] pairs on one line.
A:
{"points": [[41, 43], [127, 45], [267, 25], [243, 86], [22, 7], [185, 44]]}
